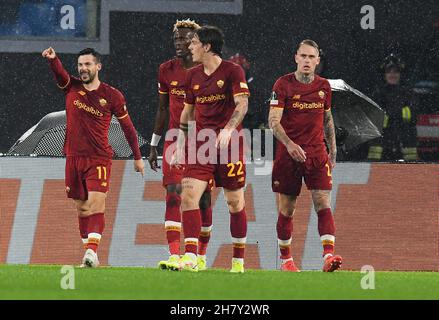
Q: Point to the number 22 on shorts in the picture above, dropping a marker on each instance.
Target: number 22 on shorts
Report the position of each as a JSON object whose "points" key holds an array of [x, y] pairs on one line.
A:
{"points": [[238, 165]]}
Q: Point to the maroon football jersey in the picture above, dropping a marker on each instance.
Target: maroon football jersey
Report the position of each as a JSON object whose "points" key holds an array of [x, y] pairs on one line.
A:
{"points": [[304, 107], [88, 115], [172, 76], [213, 95]]}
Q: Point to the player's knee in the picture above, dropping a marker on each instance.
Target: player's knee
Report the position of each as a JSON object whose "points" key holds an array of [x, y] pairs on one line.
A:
{"points": [[287, 208], [321, 200], [287, 211], [287, 205], [321, 203], [188, 203], [83, 210], [97, 207], [235, 205], [321, 206]]}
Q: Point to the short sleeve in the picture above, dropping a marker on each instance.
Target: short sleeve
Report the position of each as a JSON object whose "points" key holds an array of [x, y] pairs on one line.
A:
{"points": [[189, 90], [162, 84], [278, 97], [118, 104], [239, 83], [328, 96]]}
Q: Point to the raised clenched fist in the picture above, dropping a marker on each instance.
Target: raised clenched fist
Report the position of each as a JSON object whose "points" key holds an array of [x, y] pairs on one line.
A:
{"points": [[49, 53]]}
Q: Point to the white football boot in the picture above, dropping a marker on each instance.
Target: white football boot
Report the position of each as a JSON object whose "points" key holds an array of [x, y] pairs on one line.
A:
{"points": [[90, 259]]}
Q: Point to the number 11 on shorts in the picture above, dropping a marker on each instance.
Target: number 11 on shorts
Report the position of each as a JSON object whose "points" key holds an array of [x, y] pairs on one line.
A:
{"points": [[329, 170], [102, 169]]}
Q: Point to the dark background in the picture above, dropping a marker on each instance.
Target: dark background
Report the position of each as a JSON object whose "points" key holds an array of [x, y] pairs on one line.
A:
{"points": [[267, 33]]}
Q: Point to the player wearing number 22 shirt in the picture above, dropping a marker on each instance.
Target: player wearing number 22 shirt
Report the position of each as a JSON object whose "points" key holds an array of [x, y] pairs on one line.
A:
{"points": [[217, 98]]}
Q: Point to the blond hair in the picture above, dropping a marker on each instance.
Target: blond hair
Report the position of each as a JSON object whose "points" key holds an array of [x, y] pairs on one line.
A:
{"points": [[311, 43], [187, 23]]}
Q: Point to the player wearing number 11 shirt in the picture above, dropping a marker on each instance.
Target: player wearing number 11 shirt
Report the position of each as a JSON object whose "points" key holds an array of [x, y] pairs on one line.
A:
{"points": [[90, 105]]}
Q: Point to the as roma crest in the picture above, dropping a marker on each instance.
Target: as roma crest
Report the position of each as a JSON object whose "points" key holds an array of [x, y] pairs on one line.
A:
{"points": [[321, 94], [103, 102], [220, 83]]}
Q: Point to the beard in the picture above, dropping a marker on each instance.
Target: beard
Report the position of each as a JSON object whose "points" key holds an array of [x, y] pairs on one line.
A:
{"points": [[91, 77]]}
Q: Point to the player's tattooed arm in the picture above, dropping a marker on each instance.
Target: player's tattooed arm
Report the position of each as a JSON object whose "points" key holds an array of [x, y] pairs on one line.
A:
{"points": [[330, 136], [295, 151], [238, 115], [274, 118], [223, 139]]}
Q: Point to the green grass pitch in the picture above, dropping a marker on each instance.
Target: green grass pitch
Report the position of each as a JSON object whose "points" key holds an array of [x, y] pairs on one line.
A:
{"points": [[44, 282]]}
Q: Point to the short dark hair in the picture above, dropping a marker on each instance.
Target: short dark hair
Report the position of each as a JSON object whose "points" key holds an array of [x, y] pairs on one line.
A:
{"points": [[213, 36], [91, 51], [309, 42]]}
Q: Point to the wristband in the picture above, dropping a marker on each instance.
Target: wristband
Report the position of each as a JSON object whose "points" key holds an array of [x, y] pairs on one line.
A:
{"points": [[184, 127], [155, 140]]}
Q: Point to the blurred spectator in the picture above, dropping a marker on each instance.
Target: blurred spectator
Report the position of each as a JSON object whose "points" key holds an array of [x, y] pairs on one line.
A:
{"points": [[426, 91], [240, 59], [255, 117], [399, 128]]}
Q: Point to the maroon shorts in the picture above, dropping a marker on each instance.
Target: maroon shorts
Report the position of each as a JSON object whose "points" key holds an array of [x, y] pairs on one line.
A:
{"points": [[84, 174], [287, 174], [171, 175], [227, 174], [230, 176]]}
